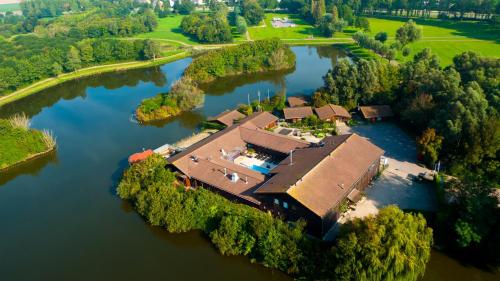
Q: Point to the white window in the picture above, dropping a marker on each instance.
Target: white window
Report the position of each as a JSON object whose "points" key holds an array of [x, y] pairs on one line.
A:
{"points": [[276, 201], [285, 205]]}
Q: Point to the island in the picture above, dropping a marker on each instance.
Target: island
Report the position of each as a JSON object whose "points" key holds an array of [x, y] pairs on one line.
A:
{"points": [[20, 143]]}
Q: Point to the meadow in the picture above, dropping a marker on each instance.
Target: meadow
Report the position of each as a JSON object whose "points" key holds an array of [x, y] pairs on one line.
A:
{"points": [[445, 38]]}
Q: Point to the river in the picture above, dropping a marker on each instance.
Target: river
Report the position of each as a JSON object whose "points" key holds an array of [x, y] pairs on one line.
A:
{"points": [[60, 216]]}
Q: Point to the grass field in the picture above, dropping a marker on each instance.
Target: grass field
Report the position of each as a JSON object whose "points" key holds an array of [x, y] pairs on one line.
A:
{"points": [[169, 29], [9, 7], [445, 38]]}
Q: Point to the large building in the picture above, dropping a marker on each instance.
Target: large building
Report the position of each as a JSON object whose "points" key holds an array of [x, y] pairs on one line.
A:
{"points": [[287, 176]]}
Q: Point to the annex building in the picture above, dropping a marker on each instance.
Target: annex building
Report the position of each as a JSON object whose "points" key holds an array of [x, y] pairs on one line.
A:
{"points": [[287, 176]]}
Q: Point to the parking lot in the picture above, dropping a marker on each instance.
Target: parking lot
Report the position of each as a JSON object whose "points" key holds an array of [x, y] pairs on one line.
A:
{"points": [[399, 183]]}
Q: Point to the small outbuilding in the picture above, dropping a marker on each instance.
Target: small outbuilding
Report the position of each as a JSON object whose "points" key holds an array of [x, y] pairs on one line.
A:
{"points": [[332, 112], [297, 101], [376, 112], [227, 117], [294, 114]]}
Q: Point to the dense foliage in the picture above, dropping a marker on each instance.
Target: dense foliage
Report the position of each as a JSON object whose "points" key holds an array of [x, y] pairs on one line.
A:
{"points": [[237, 229], [390, 246], [454, 110], [251, 57], [207, 28], [409, 33], [183, 95], [252, 12], [18, 143], [27, 59]]}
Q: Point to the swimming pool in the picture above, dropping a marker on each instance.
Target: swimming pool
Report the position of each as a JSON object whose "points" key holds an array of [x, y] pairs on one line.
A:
{"points": [[260, 169]]}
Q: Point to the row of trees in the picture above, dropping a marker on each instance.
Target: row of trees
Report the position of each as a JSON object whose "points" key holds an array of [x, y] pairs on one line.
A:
{"points": [[364, 250], [251, 57], [28, 59]]}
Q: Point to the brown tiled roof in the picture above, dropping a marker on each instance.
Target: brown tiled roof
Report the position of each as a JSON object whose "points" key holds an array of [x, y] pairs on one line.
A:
{"points": [[228, 117], [204, 160], [297, 112], [324, 176], [297, 101], [276, 142], [330, 111], [376, 111], [260, 119]]}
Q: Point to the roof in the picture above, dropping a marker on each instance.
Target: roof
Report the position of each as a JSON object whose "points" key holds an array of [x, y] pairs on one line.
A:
{"points": [[205, 160], [376, 111], [228, 117], [297, 112], [140, 156], [260, 119], [330, 111], [321, 177], [297, 101]]}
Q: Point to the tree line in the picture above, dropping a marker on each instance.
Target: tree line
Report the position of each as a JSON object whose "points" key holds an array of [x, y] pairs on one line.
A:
{"points": [[363, 250], [28, 59]]}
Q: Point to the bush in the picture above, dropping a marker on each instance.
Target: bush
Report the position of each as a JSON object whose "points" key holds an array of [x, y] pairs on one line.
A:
{"points": [[406, 51], [251, 57], [381, 36]]}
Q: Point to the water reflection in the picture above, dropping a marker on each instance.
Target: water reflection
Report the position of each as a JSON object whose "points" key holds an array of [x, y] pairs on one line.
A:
{"points": [[34, 104], [32, 167]]}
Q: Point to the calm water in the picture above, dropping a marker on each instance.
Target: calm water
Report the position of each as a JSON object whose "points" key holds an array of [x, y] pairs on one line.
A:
{"points": [[60, 217]]}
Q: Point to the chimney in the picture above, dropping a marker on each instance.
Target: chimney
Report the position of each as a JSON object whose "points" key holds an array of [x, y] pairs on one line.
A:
{"points": [[225, 172], [234, 177], [246, 180]]}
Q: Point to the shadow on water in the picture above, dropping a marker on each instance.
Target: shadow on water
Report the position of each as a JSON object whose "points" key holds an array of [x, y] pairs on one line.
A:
{"points": [[188, 119], [32, 167], [34, 104]]}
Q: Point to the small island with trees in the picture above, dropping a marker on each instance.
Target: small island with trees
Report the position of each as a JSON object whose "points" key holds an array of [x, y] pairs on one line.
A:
{"points": [[20, 143], [251, 57]]}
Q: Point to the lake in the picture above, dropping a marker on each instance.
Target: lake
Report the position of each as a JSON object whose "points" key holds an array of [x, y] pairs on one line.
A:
{"points": [[60, 216]]}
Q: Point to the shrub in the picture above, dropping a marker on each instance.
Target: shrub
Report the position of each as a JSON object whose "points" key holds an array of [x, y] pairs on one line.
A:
{"points": [[406, 51], [381, 36]]}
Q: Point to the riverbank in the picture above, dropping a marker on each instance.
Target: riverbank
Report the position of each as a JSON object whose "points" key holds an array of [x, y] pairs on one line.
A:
{"points": [[50, 82], [19, 143]]}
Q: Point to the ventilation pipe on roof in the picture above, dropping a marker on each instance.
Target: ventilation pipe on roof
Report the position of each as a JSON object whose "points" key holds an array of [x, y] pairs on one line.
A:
{"points": [[234, 177], [246, 180], [225, 172], [291, 157]]}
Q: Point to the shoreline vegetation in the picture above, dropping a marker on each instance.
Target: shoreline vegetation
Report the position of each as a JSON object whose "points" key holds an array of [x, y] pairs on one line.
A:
{"points": [[19, 143], [85, 72], [361, 249], [251, 57], [184, 95], [247, 58]]}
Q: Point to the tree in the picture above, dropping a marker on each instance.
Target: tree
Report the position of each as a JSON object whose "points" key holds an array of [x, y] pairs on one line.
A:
{"points": [[184, 7], [381, 36], [151, 49], [389, 246], [362, 23], [73, 61], [56, 69], [347, 14], [241, 25], [335, 13], [252, 12], [429, 145], [409, 33], [318, 10]]}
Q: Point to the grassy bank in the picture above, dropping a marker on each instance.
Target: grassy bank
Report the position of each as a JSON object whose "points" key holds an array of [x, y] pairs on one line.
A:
{"points": [[50, 82], [19, 143]]}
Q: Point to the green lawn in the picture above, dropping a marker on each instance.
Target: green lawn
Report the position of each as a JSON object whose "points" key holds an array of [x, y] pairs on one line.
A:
{"points": [[303, 30], [445, 38], [9, 7], [17, 144], [169, 29]]}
